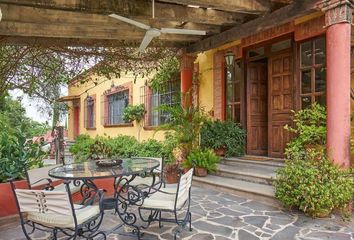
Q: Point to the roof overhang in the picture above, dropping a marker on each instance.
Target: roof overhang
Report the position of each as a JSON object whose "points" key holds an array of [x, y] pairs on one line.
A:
{"points": [[68, 98]]}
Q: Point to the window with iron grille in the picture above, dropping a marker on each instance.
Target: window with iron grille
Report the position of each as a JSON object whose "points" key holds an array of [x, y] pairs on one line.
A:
{"points": [[313, 72], [117, 102], [169, 94]]}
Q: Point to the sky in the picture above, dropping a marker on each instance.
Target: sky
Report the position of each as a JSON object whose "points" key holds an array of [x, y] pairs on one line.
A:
{"points": [[32, 110]]}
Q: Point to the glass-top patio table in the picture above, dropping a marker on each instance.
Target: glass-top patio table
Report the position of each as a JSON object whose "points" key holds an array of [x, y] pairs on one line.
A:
{"points": [[126, 194]]}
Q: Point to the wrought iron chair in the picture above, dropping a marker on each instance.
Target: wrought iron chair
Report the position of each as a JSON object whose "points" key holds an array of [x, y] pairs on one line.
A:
{"points": [[169, 202], [54, 211], [39, 177]]}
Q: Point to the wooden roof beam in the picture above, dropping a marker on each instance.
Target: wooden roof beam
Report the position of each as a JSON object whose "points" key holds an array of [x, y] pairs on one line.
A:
{"points": [[241, 6], [24, 14], [278, 17], [82, 32], [138, 8]]}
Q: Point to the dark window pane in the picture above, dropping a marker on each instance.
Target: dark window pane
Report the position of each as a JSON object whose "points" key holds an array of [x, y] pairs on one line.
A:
{"points": [[305, 102], [256, 52], [306, 81], [281, 45], [320, 79], [229, 93], [306, 54], [237, 92], [237, 113], [321, 99], [320, 51]]}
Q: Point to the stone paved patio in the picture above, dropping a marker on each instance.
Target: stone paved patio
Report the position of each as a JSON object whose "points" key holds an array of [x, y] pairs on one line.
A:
{"points": [[222, 216]]}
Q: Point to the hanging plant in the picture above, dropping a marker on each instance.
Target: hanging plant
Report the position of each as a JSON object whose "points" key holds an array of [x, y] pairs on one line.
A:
{"points": [[168, 71], [135, 113]]}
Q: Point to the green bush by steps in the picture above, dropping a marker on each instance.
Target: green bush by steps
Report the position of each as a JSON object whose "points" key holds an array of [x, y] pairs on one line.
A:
{"points": [[314, 185]]}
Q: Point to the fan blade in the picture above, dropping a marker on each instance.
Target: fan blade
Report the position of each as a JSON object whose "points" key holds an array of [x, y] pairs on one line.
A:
{"points": [[130, 21], [182, 31], [149, 35]]}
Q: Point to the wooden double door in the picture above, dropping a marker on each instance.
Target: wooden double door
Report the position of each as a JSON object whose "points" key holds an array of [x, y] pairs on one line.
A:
{"points": [[270, 99]]}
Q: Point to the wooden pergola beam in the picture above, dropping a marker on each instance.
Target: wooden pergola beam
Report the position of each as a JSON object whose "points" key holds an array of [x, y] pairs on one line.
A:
{"points": [[137, 8], [24, 14], [82, 32], [242, 6], [75, 42], [280, 16]]}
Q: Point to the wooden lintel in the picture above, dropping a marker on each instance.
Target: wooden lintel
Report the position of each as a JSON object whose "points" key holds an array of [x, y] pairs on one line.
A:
{"points": [[243, 6], [137, 8], [280, 16]]}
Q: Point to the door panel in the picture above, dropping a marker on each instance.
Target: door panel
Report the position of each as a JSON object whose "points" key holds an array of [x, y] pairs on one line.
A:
{"points": [[281, 100], [257, 114]]}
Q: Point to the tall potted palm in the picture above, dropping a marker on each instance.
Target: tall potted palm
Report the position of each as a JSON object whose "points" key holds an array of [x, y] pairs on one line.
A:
{"points": [[184, 127]]}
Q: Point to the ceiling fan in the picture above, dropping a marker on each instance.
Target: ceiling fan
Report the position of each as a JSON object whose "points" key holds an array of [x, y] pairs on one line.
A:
{"points": [[152, 32]]}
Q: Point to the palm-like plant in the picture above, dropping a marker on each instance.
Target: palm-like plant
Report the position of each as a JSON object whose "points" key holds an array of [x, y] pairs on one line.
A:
{"points": [[184, 124]]}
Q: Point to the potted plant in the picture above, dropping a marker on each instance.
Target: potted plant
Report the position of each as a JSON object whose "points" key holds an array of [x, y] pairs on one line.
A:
{"points": [[203, 161], [225, 138]]}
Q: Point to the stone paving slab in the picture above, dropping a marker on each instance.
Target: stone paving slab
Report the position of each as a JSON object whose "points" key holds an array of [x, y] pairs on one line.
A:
{"points": [[221, 216]]}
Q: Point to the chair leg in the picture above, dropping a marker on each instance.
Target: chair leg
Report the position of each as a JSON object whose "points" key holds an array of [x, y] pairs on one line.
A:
{"points": [[160, 225], [190, 221]]}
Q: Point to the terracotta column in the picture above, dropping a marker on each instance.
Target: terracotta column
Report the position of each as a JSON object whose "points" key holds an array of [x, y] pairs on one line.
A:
{"points": [[186, 68], [338, 23]]}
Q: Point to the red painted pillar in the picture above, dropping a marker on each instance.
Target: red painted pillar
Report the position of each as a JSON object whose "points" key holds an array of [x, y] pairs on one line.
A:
{"points": [[186, 68], [338, 22]]}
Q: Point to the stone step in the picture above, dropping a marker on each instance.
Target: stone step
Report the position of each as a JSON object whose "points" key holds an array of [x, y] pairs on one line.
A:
{"points": [[238, 160], [255, 191], [248, 172]]}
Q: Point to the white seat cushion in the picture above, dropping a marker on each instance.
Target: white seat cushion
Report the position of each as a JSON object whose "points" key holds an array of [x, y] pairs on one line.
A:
{"points": [[73, 188], [160, 200], [64, 221]]}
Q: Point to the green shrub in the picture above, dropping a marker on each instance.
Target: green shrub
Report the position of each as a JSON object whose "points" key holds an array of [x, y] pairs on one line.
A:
{"points": [[309, 130], [124, 146], [150, 148], [314, 185], [228, 135], [87, 148], [202, 159], [16, 155]]}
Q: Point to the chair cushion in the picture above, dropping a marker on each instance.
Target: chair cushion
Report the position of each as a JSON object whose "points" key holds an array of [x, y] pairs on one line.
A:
{"points": [[73, 188], [64, 221], [160, 200]]}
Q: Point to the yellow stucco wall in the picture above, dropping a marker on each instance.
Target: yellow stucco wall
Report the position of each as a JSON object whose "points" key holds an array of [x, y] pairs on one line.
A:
{"points": [[103, 85]]}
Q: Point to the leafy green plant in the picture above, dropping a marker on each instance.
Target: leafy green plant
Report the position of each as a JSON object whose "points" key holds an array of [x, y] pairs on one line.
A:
{"points": [[135, 113], [87, 148], [184, 126], [168, 71], [202, 159], [309, 130], [150, 148], [313, 184], [228, 135], [17, 155]]}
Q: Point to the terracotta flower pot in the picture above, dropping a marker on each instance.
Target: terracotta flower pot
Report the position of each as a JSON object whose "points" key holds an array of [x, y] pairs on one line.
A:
{"points": [[171, 178], [220, 152], [200, 172]]}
